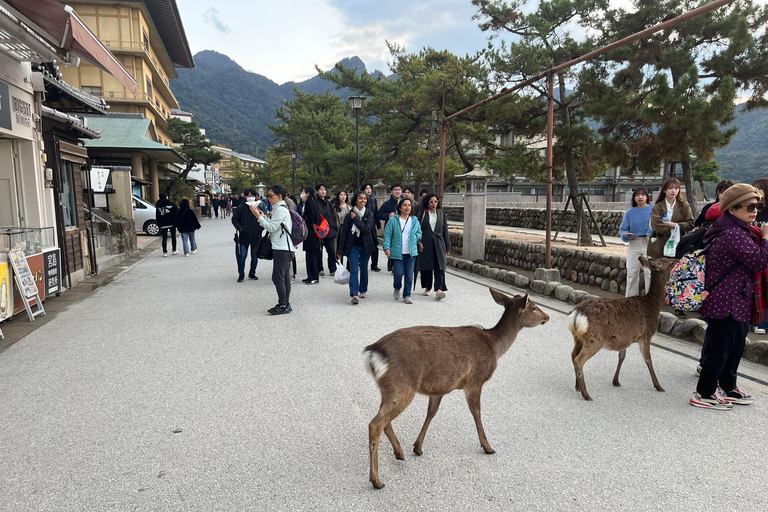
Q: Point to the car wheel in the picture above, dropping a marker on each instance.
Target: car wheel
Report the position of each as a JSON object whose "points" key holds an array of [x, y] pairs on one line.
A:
{"points": [[151, 228]]}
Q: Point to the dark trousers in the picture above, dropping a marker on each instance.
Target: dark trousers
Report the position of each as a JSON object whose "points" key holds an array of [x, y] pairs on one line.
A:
{"points": [[330, 248], [313, 270], [294, 263], [375, 254], [721, 354], [244, 256], [426, 279], [281, 275], [216, 209], [165, 238]]}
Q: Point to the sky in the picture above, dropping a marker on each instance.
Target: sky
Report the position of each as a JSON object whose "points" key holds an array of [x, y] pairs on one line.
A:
{"points": [[284, 40]]}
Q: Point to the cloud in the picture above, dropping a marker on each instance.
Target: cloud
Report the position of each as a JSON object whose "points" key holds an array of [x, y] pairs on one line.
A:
{"points": [[211, 16]]}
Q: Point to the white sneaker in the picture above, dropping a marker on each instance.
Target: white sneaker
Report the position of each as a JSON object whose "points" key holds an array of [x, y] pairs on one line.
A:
{"points": [[427, 293], [175, 253], [407, 300], [363, 295], [187, 255], [396, 294], [355, 299], [165, 255], [758, 330], [194, 251]]}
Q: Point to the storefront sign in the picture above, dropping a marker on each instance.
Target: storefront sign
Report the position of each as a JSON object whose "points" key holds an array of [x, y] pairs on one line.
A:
{"points": [[5, 291], [99, 178], [23, 112], [5, 107], [52, 272], [216, 176], [32, 277], [16, 111]]}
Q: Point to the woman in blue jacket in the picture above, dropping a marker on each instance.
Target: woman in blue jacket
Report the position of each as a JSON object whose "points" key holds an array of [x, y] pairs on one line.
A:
{"points": [[402, 238], [635, 229]]}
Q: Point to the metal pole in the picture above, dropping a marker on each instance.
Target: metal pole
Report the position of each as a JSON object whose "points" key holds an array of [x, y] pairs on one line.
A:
{"points": [[357, 143], [441, 178], [550, 136]]}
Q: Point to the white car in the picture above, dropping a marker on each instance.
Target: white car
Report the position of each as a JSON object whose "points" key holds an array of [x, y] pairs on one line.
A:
{"points": [[144, 216]]}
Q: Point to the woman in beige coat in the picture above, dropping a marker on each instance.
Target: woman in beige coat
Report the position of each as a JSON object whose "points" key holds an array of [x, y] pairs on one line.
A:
{"points": [[662, 223]]}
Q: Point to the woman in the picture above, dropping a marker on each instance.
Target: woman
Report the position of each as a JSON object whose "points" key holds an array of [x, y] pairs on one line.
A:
{"points": [[341, 208], [187, 224], [635, 228], [312, 245], [279, 225], [738, 251], [721, 187], [436, 245], [356, 243], [402, 238]]}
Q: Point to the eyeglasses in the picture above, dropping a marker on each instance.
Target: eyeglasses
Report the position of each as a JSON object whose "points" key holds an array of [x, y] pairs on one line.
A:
{"points": [[751, 207], [270, 195]]}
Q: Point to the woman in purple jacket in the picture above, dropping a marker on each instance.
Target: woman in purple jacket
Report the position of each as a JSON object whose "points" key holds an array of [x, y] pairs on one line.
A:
{"points": [[738, 251]]}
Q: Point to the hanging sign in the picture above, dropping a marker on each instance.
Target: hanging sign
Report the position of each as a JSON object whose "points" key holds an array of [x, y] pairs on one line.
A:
{"points": [[99, 177]]}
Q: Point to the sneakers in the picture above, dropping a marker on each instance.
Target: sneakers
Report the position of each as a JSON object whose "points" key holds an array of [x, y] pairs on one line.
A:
{"points": [[186, 254], [280, 309], [322, 274], [713, 402], [427, 293], [253, 276], [355, 299], [396, 294], [241, 278], [736, 396], [407, 300], [440, 295], [311, 281], [175, 253], [165, 255], [293, 278], [698, 369], [758, 330], [376, 269], [679, 313], [194, 251], [363, 295]]}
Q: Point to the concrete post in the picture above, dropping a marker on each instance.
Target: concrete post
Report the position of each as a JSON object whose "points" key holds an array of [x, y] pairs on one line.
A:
{"points": [[474, 213], [154, 187], [120, 202], [137, 168]]}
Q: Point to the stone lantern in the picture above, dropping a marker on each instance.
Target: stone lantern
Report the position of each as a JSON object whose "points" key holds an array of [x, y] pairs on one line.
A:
{"points": [[474, 213], [260, 189], [380, 192]]}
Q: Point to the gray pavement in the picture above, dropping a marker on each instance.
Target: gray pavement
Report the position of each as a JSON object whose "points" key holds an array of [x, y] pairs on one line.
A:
{"points": [[172, 389]]}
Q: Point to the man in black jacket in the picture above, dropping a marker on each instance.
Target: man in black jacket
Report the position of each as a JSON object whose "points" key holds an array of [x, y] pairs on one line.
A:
{"points": [[249, 234], [373, 205], [165, 214], [329, 242]]}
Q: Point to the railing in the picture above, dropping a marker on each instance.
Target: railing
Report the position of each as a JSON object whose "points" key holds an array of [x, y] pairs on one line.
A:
{"points": [[137, 47]]}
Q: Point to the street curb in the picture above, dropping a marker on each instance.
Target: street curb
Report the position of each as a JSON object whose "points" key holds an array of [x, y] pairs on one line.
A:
{"points": [[691, 329]]}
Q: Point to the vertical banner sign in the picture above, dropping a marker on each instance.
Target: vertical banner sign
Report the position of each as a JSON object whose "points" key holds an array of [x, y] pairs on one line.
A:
{"points": [[216, 176], [52, 272], [99, 177], [5, 292]]}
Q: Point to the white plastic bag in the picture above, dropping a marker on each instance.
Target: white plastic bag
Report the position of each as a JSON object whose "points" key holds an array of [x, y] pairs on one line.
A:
{"points": [[670, 248], [342, 274]]}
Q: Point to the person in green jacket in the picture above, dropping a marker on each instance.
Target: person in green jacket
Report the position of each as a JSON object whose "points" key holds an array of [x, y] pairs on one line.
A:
{"points": [[402, 241]]}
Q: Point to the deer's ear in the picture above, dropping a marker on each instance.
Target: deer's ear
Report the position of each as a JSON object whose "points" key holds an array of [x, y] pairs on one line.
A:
{"points": [[644, 261], [522, 301], [500, 298]]}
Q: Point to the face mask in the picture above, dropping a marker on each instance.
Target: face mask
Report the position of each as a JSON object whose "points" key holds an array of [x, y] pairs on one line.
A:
{"points": [[303, 196], [250, 198]]}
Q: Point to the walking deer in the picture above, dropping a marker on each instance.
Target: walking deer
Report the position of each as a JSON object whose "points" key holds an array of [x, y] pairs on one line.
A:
{"points": [[617, 323], [434, 361]]}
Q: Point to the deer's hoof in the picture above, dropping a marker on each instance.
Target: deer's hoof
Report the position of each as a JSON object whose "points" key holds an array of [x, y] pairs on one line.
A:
{"points": [[617, 384], [587, 398], [489, 451], [660, 389], [399, 456], [378, 485], [417, 450]]}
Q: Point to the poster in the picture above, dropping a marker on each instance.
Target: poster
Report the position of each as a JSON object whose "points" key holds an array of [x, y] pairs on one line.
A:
{"points": [[52, 272], [34, 278], [5, 291]]}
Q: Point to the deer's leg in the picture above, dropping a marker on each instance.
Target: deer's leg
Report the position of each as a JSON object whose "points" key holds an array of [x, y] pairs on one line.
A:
{"points": [[473, 400], [587, 351], [391, 407], [622, 355], [577, 346], [394, 442], [434, 403], [645, 349]]}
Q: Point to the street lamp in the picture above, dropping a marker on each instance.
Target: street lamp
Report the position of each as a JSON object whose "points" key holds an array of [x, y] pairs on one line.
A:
{"points": [[357, 104], [294, 155]]}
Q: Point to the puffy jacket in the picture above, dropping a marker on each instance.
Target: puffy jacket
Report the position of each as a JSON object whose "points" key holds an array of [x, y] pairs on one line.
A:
{"points": [[393, 238], [366, 227], [165, 213], [248, 225], [325, 208], [187, 221]]}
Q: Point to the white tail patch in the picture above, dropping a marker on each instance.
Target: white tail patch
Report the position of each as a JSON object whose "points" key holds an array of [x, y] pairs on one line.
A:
{"points": [[375, 363], [577, 322]]}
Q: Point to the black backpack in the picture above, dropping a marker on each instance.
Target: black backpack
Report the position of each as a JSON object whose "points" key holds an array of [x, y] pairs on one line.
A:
{"points": [[693, 241]]}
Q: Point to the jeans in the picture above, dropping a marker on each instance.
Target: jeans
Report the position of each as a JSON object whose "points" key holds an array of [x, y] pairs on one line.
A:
{"points": [[721, 354], [404, 267], [244, 256], [186, 239], [281, 275], [358, 259], [165, 238]]}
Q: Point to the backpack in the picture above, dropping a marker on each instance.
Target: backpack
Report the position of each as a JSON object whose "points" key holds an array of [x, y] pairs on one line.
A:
{"points": [[692, 241], [299, 230], [686, 289], [322, 230]]}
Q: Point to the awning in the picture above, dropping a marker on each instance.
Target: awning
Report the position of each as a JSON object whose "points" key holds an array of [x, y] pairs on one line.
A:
{"points": [[64, 29], [139, 181]]}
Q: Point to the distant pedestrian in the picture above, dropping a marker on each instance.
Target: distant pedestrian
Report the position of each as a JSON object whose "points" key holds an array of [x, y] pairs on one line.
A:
{"points": [[223, 206], [313, 243], [229, 206], [279, 225], [388, 210], [356, 243], [329, 241], [187, 225], [373, 206], [402, 237], [635, 229], [249, 235], [719, 189], [165, 213], [436, 246], [341, 207], [216, 204]]}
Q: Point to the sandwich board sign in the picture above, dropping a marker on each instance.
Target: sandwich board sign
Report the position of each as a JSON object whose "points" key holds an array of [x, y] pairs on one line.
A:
{"points": [[26, 283]]}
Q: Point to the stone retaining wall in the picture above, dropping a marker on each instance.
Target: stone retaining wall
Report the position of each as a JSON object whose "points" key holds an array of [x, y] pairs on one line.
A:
{"points": [[535, 218], [580, 266]]}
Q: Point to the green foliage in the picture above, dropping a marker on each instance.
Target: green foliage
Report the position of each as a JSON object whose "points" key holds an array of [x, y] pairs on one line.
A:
{"points": [[238, 180], [179, 189], [194, 147]]}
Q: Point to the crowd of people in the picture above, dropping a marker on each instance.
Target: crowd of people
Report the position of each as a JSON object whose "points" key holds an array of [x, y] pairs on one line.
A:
{"points": [[734, 231]]}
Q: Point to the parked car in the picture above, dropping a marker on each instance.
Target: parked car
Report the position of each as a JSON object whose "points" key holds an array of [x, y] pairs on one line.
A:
{"points": [[144, 216]]}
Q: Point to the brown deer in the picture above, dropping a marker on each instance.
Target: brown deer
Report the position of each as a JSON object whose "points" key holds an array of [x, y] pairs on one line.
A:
{"points": [[617, 323], [435, 361]]}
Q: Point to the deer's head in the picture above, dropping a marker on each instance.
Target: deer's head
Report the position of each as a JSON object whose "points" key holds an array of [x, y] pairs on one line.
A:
{"points": [[528, 314]]}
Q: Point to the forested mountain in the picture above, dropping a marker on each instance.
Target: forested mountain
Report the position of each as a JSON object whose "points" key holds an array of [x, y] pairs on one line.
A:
{"points": [[746, 158], [235, 105]]}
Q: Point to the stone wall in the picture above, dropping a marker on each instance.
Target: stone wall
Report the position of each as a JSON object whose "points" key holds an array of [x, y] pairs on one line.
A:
{"points": [[580, 266], [535, 218]]}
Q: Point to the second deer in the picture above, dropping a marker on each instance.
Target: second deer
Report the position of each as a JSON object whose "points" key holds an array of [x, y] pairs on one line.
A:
{"points": [[616, 323], [434, 361]]}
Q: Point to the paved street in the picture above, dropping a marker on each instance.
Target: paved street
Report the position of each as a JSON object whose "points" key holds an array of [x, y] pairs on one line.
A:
{"points": [[272, 412]]}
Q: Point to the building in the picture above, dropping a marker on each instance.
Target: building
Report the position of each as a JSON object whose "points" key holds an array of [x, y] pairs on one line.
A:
{"points": [[225, 165]]}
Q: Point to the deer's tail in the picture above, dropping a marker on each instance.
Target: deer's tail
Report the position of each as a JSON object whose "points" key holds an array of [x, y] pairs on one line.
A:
{"points": [[577, 323], [375, 362]]}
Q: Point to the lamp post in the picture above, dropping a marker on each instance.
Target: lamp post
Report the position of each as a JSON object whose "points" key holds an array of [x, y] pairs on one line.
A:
{"points": [[293, 176], [357, 104]]}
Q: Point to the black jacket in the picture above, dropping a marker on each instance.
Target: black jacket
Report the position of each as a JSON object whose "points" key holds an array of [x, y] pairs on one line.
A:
{"points": [[366, 227], [389, 207], [165, 213], [311, 216], [435, 244], [248, 225], [325, 208], [373, 205], [187, 221]]}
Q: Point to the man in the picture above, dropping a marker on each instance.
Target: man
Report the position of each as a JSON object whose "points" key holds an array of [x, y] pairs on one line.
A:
{"points": [[418, 207], [216, 205], [373, 205], [329, 242], [165, 214], [249, 235], [389, 209]]}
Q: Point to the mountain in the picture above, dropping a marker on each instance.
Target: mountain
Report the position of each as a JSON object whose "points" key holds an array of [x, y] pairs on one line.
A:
{"points": [[745, 159], [234, 105]]}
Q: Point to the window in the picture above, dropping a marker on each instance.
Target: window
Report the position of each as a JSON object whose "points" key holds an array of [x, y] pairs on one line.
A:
{"points": [[68, 195], [149, 88], [145, 40], [92, 89]]}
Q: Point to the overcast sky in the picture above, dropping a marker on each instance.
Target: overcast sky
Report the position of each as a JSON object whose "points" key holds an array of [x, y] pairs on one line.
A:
{"points": [[284, 39]]}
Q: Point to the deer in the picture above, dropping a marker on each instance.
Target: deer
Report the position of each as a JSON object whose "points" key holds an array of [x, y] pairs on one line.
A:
{"points": [[434, 361], [617, 323]]}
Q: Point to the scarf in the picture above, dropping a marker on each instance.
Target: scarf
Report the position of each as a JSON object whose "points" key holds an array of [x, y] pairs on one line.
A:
{"points": [[355, 230], [760, 286]]}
